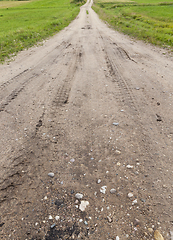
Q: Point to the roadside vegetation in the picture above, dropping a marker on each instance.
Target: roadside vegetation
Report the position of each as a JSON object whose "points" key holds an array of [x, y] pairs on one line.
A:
{"points": [[25, 23], [148, 20]]}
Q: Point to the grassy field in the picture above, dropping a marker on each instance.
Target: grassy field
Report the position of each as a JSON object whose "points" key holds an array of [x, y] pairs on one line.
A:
{"points": [[148, 20], [23, 24]]}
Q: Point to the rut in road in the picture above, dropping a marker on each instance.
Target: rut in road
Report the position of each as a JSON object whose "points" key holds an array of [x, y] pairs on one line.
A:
{"points": [[93, 107]]}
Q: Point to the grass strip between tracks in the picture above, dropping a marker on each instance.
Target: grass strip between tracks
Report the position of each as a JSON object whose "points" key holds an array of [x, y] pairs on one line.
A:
{"points": [[148, 20], [23, 24]]}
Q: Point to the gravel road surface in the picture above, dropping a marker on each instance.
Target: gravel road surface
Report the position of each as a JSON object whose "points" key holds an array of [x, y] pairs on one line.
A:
{"points": [[86, 125]]}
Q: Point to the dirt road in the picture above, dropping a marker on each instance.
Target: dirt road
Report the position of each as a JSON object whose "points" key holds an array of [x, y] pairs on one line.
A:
{"points": [[90, 112]]}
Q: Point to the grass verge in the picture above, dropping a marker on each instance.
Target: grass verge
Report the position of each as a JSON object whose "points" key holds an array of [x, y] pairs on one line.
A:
{"points": [[24, 25], [151, 21]]}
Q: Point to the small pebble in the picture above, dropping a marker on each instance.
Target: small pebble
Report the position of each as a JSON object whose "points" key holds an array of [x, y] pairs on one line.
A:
{"points": [[103, 189], [130, 195], [117, 152], [99, 181], [57, 218], [50, 217], [79, 195], [72, 160], [129, 166], [51, 174], [53, 225], [150, 230], [115, 124], [113, 190], [158, 235], [109, 219], [134, 201], [83, 205]]}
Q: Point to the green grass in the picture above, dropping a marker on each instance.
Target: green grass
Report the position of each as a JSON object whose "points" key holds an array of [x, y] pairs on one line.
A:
{"points": [[24, 25], [148, 20]]}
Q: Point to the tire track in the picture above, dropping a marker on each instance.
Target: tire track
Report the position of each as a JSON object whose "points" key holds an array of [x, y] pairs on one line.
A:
{"points": [[14, 94], [63, 93]]}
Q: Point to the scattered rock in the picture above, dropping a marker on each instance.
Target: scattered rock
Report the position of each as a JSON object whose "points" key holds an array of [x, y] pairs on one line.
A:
{"points": [[72, 160], [83, 205], [79, 195], [117, 152], [103, 189], [150, 230], [99, 181], [158, 118], [57, 218], [134, 201], [158, 235], [115, 124], [51, 174], [50, 217], [53, 225], [109, 219], [129, 166], [113, 190], [130, 195]]}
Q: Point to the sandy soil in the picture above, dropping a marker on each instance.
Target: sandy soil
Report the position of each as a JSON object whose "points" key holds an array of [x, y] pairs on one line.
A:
{"points": [[95, 108]]}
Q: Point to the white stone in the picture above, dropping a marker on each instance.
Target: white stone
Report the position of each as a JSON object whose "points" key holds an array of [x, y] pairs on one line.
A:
{"points": [[57, 218], [113, 190], [129, 166], [72, 160], [103, 189], [83, 205], [79, 195], [51, 174], [99, 181], [130, 195], [134, 201], [50, 217]]}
